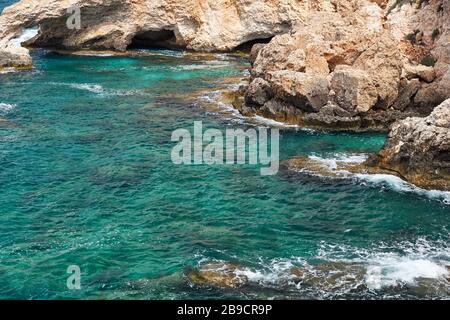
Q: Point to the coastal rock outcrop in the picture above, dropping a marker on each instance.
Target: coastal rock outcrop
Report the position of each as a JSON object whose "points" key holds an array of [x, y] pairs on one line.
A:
{"points": [[367, 71], [418, 149], [201, 25], [15, 57]]}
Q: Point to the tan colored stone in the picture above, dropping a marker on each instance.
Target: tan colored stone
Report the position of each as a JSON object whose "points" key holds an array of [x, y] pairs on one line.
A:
{"points": [[353, 90], [305, 91], [419, 71], [419, 149], [219, 275], [201, 25]]}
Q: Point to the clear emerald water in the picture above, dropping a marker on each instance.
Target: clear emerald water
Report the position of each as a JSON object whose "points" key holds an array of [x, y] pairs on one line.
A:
{"points": [[86, 179]]}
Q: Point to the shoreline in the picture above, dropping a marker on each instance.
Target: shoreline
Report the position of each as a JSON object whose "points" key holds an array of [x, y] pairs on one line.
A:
{"points": [[230, 99]]}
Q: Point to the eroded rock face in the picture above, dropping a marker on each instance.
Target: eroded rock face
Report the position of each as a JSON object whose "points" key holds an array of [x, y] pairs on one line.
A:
{"points": [[423, 31], [375, 76], [201, 25], [15, 57], [419, 149]]}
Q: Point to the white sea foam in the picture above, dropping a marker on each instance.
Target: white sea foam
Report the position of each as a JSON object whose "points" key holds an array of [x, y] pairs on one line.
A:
{"points": [[341, 269], [164, 53], [213, 97], [94, 88], [390, 271], [94, 54], [402, 263], [6, 107], [386, 181], [99, 89], [273, 123], [399, 185], [7, 70], [27, 34], [332, 161], [201, 66]]}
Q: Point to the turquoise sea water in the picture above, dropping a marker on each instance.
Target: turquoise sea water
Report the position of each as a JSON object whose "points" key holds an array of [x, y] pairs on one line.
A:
{"points": [[86, 179]]}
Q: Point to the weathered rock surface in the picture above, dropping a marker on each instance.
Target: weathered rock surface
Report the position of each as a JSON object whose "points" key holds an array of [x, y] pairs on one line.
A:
{"points": [[218, 275], [370, 76], [15, 57], [418, 149], [201, 25], [430, 21]]}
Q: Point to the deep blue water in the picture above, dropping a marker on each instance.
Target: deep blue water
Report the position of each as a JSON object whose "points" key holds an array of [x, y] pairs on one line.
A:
{"points": [[86, 179]]}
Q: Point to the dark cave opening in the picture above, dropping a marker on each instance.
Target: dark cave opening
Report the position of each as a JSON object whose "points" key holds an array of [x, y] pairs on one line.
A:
{"points": [[247, 46], [161, 39]]}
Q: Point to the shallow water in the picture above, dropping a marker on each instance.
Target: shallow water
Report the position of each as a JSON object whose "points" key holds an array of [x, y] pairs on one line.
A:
{"points": [[86, 179]]}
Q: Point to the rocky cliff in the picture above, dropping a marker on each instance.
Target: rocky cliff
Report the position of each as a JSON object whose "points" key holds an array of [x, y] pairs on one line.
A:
{"points": [[339, 64], [202, 25], [355, 65], [393, 55], [418, 149]]}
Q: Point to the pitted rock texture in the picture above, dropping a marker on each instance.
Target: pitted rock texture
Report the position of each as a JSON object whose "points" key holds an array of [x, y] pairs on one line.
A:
{"points": [[363, 63], [419, 149], [201, 25]]}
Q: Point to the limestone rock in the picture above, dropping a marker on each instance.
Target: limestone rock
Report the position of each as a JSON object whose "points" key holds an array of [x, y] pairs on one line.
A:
{"points": [[419, 71], [432, 21], [280, 111], [434, 93], [15, 57], [254, 52], [305, 91], [201, 25], [353, 90], [340, 55], [419, 149], [219, 275], [408, 90], [258, 92]]}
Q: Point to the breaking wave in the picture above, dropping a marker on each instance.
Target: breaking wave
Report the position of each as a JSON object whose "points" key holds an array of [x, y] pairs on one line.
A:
{"points": [[94, 88], [6, 107], [397, 270], [213, 98], [397, 264], [207, 65], [332, 162], [397, 184], [385, 181], [100, 90]]}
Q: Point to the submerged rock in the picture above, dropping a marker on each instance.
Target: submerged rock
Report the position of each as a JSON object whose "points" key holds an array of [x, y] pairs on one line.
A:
{"points": [[219, 275]]}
